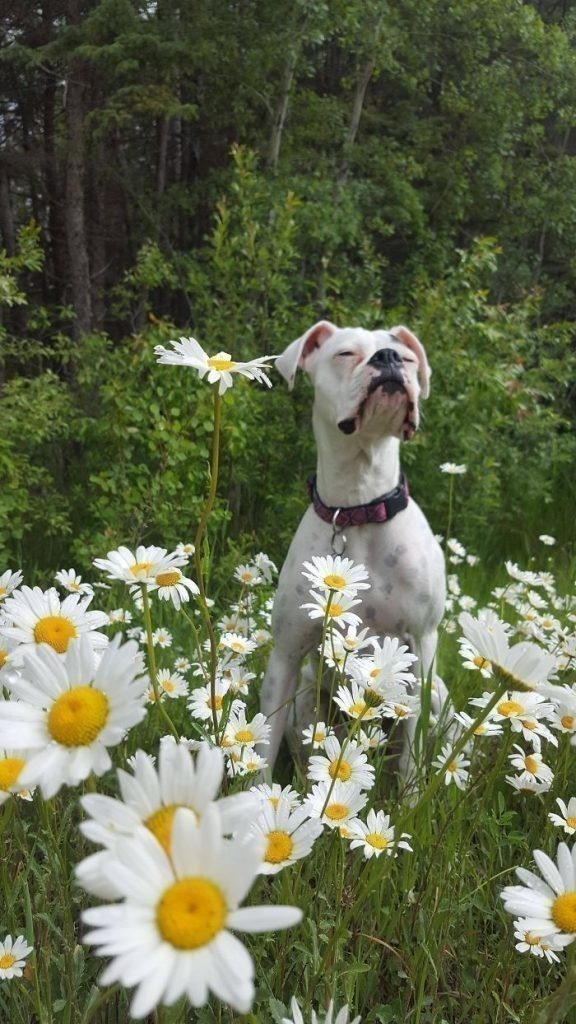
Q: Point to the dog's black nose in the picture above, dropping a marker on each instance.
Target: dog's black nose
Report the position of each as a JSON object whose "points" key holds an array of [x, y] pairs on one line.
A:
{"points": [[347, 426], [385, 358]]}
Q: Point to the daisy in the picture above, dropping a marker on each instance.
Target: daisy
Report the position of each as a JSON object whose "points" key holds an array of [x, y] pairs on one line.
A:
{"points": [[389, 666], [141, 566], [335, 608], [40, 617], [567, 820], [471, 659], [239, 678], [316, 735], [539, 945], [285, 835], [342, 1016], [563, 716], [240, 733], [531, 765], [9, 581], [72, 582], [452, 468], [455, 769], [13, 957], [150, 797], [120, 615], [201, 704], [244, 761], [185, 550], [532, 579], [261, 637], [171, 585], [11, 764], [170, 935], [525, 664], [545, 538], [547, 903], [526, 783], [274, 793], [162, 638], [219, 368], [486, 728], [372, 740], [376, 835], [248, 575], [68, 711], [171, 683], [265, 566], [345, 801], [523, 710], [456, 547], [337, 574], [182, 665], [348, 764], [404, 706], [352, 702], [239, 645]]}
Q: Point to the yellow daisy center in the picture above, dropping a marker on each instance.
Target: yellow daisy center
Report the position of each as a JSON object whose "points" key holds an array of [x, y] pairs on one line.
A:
{"points": [[77, 717], [359, 708], [168, 686], [336, 610], [273, 800], [279, 847], [479, 730], [246, 577], [221, 362], [7, 961], [319, 737], [10, 768], [56, 631], [531, 765], [216, 703], [3, 591], [377, 841], [334, 582], [140, 568], [452, 767], [528, 724], [3, 656], [480, 662], [571, 822], [509, 707], [160, 823], [244, 736], [532, 939], [190, 913], [238, 647], [567, 720], [168, 578], [399, 711], [336, 812], [564, 912], [339, 771]]}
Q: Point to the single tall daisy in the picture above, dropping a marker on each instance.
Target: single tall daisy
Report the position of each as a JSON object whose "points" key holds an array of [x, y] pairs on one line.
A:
{"points": [[376, 835], [547, 904], [13, 957], [286, 835], [348, 764], [218, 368], [337, 574]]}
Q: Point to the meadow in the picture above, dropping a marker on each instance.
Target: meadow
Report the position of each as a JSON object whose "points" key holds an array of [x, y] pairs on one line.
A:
{"points": [[130, 782]]}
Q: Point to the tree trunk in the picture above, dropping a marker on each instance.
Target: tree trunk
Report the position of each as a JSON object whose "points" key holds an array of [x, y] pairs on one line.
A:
{"points": [[75, 215], [282, 107]]}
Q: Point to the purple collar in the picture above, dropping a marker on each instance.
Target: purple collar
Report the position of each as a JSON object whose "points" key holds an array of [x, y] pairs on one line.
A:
{"points": [[378, 511]]}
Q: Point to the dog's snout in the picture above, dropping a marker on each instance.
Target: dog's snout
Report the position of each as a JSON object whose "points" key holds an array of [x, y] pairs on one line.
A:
{"points": [[347, 426], [385, 358]]}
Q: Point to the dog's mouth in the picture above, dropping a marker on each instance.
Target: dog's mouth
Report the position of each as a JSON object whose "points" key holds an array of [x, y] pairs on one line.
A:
{"points": [[388, 384]]}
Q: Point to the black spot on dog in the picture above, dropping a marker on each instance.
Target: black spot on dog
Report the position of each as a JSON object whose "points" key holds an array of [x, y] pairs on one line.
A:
{"points": [[391, 560]]}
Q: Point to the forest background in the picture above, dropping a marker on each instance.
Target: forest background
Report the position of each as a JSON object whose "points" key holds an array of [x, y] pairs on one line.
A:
{"points": [[237, 171]]}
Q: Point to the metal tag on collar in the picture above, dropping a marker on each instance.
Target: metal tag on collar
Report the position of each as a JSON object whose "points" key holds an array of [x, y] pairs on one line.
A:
{"points": [[338, 539]]}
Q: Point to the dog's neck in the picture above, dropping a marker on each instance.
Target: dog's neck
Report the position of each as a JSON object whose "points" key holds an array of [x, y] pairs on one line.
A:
{"points": [[356, 472]]}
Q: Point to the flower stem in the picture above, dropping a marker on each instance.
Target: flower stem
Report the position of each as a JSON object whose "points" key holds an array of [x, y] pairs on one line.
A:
{"points": [[152, 663], [208, 506]]}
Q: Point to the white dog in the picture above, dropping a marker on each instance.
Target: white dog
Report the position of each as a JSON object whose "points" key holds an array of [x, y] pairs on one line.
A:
{"points": [[367, 386]]}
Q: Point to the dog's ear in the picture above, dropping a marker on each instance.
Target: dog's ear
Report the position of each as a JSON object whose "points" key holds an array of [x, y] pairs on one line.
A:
{"points": [[300, 350], [411, 341]]}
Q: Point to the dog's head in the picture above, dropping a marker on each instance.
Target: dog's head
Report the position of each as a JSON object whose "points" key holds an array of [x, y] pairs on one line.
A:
{"points": [[367, 381]]}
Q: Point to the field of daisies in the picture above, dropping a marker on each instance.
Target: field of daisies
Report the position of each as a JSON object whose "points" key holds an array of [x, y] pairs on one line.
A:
{"points": [[153, 868]]}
